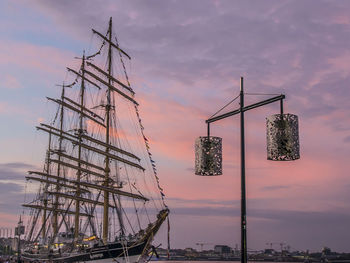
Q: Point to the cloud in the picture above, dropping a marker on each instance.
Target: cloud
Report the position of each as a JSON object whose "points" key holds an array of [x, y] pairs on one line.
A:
{"points": [[347, 139], [14, 171], [10, 82], [10, 188], [275, 187], [12, 197], [29, 57], [13, 191], [297, 217], [17, 165], [179, 202], [203, 51]]}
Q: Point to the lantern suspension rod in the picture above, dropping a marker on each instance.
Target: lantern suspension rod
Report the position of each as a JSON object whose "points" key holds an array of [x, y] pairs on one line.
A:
{"points": [[208, 130], [281, 104], [249, 107]]}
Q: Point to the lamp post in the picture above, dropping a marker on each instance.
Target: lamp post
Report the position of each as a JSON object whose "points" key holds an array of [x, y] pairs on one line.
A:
{"points": [[282, 145]]}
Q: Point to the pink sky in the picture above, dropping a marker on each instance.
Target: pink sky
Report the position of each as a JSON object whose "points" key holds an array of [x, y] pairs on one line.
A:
{"points": [[187, 59]]}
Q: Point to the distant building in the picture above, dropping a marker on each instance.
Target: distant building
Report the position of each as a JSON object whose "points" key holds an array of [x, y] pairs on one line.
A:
{"points": [[190, 250], [190, 253], [269, 251], [326, 251], [222, 249], [6, 246]]}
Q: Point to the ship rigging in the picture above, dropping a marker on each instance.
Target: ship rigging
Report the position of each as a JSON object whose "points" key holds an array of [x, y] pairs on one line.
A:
{"points": [[98, 196]]}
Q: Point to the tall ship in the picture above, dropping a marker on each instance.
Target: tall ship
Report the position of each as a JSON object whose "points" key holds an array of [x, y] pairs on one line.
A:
{"points": [[97, 197]]}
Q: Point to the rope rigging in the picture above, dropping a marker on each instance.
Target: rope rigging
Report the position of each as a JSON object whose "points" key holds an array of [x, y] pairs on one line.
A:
{"points": [[263, 94], [259, 94], [223, 107]]}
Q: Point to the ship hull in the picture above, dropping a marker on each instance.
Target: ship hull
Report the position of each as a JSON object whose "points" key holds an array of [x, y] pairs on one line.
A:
{"points": [[131, 259], [119, 251], [114, 252]]}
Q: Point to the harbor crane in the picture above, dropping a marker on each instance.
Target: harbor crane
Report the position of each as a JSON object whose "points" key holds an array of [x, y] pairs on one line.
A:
{"points": [[271, 244], [283, 245]]}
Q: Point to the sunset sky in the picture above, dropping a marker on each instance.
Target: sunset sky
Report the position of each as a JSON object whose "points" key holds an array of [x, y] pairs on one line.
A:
{"points": [[187, 59]]}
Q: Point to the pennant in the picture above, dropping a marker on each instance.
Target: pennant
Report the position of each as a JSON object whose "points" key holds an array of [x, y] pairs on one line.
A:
{"points": [[153, 163]]}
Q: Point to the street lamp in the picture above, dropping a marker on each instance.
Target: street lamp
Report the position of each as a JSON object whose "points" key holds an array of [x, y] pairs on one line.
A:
{"points": [[282, 145]]}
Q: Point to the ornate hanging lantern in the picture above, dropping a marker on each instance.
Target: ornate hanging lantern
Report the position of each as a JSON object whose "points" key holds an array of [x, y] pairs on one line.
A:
{"points": [[282, 137], [208, 156]]}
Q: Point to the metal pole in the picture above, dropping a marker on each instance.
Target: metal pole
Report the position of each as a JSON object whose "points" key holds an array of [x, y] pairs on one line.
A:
{"points": [[243, 193], [281, 106]]}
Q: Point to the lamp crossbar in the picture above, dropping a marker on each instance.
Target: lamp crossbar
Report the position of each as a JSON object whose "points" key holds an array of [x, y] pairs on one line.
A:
{"points": [[249, 107]]}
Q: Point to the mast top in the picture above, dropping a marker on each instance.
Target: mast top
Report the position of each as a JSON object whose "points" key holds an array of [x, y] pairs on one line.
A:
{"points": [[116, 46]]}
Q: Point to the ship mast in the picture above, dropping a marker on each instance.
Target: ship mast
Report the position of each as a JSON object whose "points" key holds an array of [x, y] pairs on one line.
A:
{"points": [[108, 109], [55, 214], [43, 234], [80, 133]]}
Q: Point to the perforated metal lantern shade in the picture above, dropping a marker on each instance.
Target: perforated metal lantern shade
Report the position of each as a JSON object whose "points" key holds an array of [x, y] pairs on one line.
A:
{"points": [[282, 137], [208, 156]]}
